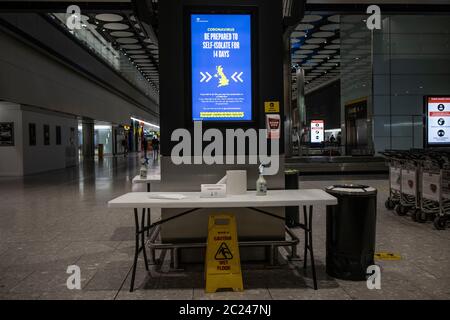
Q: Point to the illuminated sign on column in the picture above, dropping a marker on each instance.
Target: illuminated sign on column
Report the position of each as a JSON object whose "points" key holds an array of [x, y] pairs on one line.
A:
{"points": [[317, 131], [221, 67], [438, 120]]}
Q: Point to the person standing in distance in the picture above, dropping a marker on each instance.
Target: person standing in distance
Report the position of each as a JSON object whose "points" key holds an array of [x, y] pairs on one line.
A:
{"points": [[155, 145], [145, 147]]}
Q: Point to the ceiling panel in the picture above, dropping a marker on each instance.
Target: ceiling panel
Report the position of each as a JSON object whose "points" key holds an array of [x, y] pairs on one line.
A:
{"points": [[316, 47]]}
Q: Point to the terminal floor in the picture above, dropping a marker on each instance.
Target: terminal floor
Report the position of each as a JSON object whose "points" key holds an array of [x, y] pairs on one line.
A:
{"points": [[53, 220]]}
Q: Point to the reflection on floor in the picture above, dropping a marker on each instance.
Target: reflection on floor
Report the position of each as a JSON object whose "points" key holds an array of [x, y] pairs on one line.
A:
{"points": [[53, 220]]}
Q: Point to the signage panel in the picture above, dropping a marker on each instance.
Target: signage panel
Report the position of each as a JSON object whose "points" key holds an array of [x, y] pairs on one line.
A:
{"points": [[223, 263], [438, 120], [272, 106], [221, 67], [317, 131], [273, 125]]}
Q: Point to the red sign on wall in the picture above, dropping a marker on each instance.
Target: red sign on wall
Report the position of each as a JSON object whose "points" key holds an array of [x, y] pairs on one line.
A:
{"points": [[317, 131], [438, 120]]}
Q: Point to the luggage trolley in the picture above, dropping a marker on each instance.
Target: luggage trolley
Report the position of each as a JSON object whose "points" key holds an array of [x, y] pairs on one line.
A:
{"points": [[394, 178], [442, 218], [409, 184], [431, 191]]}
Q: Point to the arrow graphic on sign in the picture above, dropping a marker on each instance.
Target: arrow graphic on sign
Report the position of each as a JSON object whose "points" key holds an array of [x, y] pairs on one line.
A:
{"points": [[206, 76], [237, 77]]}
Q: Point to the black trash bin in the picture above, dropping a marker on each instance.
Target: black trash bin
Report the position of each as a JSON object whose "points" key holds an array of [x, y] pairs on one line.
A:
{"points": [[291, 183], [351, 227]]}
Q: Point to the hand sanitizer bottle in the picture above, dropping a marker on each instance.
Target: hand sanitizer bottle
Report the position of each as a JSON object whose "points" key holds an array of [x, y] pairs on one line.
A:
{"points": [[143, 170], [261, 184]]}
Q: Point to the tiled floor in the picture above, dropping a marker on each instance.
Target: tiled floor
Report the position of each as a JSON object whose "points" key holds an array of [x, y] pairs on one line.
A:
{"points": [[53, 220]]}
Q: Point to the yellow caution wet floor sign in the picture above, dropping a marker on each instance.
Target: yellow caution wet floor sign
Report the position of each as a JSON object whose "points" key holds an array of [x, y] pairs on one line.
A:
{"points": [[222, 264]]}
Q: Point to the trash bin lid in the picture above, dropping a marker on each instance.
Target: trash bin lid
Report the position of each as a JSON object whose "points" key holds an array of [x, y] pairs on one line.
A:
{"points": [[351, 189]]}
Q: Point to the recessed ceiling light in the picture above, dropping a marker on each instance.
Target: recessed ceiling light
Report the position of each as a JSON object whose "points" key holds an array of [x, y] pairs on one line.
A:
{"points": [[309, 46], [120, 34], [116, 26], [127, 40], [304, 26], [326, 51], [330, 27], [303, 51], [335, 18], [109, 17], [322, 34], [297, 34], [135, 51], [315, 40], [132, 46]]}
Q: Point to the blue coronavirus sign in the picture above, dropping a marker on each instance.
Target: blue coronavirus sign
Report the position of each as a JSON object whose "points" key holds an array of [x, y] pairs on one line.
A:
{"points": [[221, 67]]}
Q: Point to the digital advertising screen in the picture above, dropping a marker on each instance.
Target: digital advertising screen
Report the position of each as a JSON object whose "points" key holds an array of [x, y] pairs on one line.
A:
{"points": [[438, 120], [317, 131], [221, 64]]}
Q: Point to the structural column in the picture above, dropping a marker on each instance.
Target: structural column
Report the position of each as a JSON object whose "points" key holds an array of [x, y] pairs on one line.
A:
{"points": [[301, 109], [287, 77], [88, 139]]}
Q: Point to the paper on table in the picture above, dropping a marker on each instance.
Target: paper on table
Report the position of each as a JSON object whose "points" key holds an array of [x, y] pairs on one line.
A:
{"points": [[172, 196]]}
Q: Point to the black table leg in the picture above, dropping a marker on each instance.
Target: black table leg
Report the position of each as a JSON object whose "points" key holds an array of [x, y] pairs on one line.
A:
{"points": [[143, 239], [136, 249], [305, 251], [309, 243], [148, 213], [149, 222], [139, 245]]}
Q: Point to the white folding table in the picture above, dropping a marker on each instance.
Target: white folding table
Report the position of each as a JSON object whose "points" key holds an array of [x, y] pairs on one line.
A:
{"points": [[151, 178], [192, 202]]}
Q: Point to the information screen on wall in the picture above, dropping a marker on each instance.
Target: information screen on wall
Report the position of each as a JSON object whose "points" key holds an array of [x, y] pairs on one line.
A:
{"points": [[438, 120], [221, 67], [317, 131]]}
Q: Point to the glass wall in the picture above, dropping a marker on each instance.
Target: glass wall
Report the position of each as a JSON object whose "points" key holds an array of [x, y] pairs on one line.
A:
{"points": [[356, 85], [384, 76], [411, 59]]}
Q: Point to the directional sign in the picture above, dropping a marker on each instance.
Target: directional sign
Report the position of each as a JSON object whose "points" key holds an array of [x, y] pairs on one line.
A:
{"points": [[237, 77], [221, 67], [206, 76]]}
